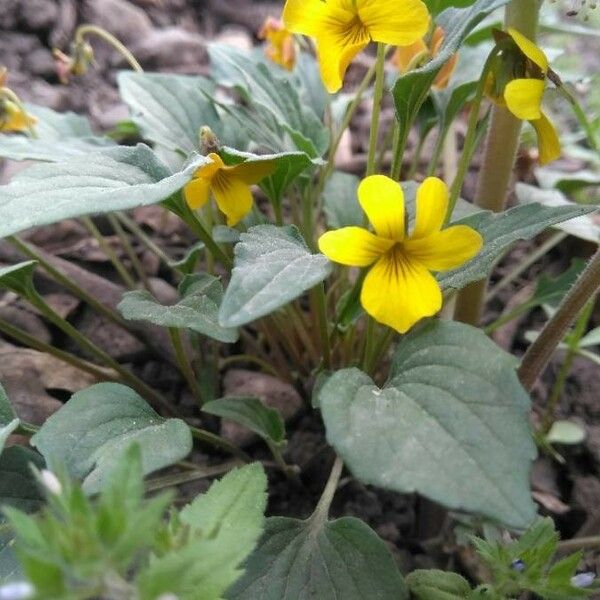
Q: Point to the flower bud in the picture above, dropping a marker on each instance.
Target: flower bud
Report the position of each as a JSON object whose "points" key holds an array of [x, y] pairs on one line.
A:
{"points": [[18, 590], [50, 482]]}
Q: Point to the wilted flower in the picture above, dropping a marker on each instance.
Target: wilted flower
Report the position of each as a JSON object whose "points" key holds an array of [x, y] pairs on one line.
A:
{"points": [[12, 118], [281, 47], [407, 58], [82, 56]]}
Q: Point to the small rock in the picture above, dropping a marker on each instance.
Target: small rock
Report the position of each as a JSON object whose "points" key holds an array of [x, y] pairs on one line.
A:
{"points": [[38, 15], [235, 36], [172, 48], [270, 390], [62, 303], [24, 319], [65, 24], [121, 18], [40, 63], [9, 14]]}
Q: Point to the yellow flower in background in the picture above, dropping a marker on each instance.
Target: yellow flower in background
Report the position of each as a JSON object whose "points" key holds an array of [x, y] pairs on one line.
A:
{"points": [[399, 289], [407, 58], [342, 28], [523, 93], [229, 185], [13, 119], [281, 47]]}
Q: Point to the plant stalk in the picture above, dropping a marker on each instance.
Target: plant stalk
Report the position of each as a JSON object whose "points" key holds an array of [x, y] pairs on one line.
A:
{"points": [[539, 353], [377, 98], [110, 39]]}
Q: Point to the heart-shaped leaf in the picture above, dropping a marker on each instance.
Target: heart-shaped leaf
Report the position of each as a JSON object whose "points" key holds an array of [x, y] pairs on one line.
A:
{"points": [[451, 423], [251, 413], [272, 266], [197, 310], [91, 432], [302, 560], [119, 178], [499, 231], [170, 109]]}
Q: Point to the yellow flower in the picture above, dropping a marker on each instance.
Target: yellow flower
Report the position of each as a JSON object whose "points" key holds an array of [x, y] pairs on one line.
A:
{"points": [[281, 48], [523, 93], [12, 119], [342, 28], [410, 57], [230, 185], [399, 289]]}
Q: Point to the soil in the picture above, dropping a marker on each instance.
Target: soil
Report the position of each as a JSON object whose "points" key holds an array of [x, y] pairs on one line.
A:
{"points": [[170, 35]]}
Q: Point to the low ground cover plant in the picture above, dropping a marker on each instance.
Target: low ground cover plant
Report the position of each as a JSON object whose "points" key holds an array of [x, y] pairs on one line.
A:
{"points": [[363, 291]]}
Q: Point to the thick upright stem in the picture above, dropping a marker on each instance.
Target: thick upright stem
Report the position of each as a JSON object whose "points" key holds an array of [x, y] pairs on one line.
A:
{"points": [[540, 352], [377, 97], [499, 158]]}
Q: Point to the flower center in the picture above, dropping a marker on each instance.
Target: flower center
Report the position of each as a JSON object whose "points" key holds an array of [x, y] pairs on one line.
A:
{"points": [[354, 32]]}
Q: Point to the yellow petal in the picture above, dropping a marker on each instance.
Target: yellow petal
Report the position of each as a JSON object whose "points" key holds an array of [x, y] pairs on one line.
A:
{"points": [[353, 246], [252, 171], [209, 170], [529, 49], [336, 52], [524, 98], [548, 142], [447, 249], [382, 200], [399, 292], [399, 24], [233, 197], [406, 57], [196, 192], [431, 206], [305, 16]]}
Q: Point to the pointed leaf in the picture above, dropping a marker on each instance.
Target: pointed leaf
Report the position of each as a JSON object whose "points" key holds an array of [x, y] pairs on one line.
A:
{"points": [[302, 560], [272, 266], [198, 308], [251, 413], [116, 179], [90, 433], [450, 423], [170, 109], [500, 231]]}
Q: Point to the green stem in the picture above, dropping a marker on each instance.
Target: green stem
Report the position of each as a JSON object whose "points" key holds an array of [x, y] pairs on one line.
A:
{"points": [[400, 138], [499, 158], [173, 479], [68, 329], [31, 342], [109, 252], [581, 117], [414, 165], [471, 136], [377, 98], [238, 358], [110, 39], [322, 510], [290, 471], [321, 308], [143, 237], [218, 442], [437, 152], [540, 351], [67, 282], [126, 243], [184, 364], [565, 369], [369, 344]]}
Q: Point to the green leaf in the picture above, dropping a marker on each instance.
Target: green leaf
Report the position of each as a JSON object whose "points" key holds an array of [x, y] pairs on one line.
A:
{"points": [[433, 584], [6, 430], [7, 414], [251, 413], [198, 308], [451, 423], [272, 266], [275, 98], [170, 109], [18, 278], [411, 89], [450, 102], [119, 178], [187, 264], [340, 201], [302, 560], [224, 526], [19, 487], [91, 432], [289, 165], [58, 135], [500, 231], [580, 225]]}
